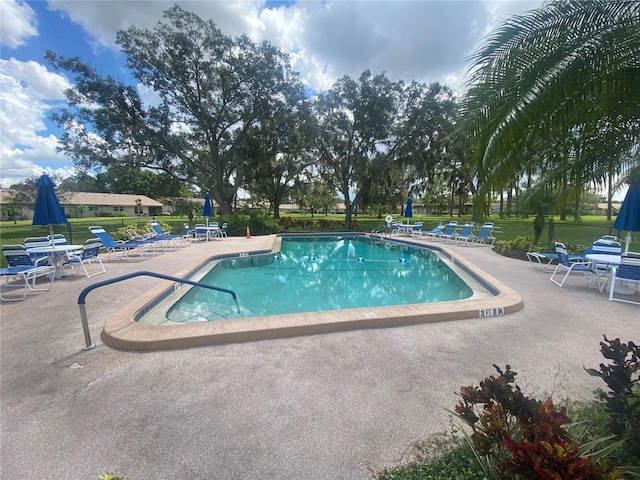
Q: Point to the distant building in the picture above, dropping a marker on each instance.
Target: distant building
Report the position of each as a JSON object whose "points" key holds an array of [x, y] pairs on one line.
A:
{"points": [[86, 204]]}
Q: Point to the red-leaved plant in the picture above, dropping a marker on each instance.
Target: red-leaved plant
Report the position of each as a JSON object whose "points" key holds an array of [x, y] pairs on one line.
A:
{"points": [[523, 437]]}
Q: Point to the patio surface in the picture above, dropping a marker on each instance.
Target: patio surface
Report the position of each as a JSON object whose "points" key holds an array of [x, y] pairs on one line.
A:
{"points": [[333, 406]]}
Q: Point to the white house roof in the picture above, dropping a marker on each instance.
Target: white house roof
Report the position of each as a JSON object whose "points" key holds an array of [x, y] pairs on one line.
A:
{"points": [[108, 200]]}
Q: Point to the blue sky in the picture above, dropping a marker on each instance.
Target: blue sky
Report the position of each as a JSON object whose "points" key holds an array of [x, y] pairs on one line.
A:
{"points": [[409, 40]]}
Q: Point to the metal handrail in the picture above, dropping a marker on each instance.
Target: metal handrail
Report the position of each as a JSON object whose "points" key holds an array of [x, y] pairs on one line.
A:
{"points": [[85, 292]]}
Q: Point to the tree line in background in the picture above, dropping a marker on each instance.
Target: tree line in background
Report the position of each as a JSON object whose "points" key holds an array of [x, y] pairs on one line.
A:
{"points": [[551, 111]]}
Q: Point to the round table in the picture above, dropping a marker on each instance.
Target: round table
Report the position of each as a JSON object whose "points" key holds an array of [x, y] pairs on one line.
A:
{"points": [[603, 258], [56, 254]]}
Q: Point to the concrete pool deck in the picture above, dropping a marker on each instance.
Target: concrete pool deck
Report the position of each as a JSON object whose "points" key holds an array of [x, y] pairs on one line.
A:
{"points": [[332, 406]]}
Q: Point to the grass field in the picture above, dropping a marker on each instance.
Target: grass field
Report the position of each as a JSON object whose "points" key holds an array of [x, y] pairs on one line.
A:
{"points": [[570, 232]]}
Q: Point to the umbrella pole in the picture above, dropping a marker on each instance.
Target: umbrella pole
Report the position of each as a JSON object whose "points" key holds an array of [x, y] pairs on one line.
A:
{"points": [[51, 234], [627, 240]]}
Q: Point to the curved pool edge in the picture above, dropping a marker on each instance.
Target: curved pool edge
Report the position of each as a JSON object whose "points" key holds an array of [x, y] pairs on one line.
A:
{"points": [[122, 332]]}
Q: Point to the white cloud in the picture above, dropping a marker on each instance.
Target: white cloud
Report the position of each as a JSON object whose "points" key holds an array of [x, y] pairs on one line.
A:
{"points": [[17, 23], [326, 39], [410, 40], [27, 92]]}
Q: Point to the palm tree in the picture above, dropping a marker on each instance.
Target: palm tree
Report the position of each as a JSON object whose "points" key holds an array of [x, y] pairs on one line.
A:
{"points": [[569, 68]]}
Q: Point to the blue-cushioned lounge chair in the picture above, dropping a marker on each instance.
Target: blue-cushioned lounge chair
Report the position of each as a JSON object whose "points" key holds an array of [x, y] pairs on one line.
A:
{"points": [[434, 232], [448, 231], [628, 273], [151, 240], [125, 248], [544, 260], [464, 233], [485, 235], [173, 239], [566, 265], [23, 268]]}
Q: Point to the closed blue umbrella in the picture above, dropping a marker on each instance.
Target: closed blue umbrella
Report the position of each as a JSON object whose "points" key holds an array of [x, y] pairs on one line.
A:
{"points": [[48, 210], [207, 210], [628, 218], [408, 211]]}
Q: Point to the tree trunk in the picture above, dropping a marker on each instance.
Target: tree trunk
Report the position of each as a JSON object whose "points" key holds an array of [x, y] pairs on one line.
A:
{"points": [[347, 210], [609, 196], [538, 227]]}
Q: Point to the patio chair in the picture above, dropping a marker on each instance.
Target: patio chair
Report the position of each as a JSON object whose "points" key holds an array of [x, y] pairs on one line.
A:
{"points": [[544, 260], [604, 246], [201, 232], [416, 228], [35, 242], [24, 268], [566, 265], [464, 234], [189, 233], [125, 248], [223, 230], [173, 240], [90, 254], [484, 236], [433, 232], [448, 231], [628, 273], [397, 228], [58, 239]]}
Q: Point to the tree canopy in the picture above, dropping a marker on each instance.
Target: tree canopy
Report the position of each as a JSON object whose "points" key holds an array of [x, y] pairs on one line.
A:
{"points": [[211, 91]]}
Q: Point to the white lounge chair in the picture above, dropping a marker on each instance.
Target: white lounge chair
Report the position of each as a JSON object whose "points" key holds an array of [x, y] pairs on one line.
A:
{"points": [[566, 265], [23, 268]]}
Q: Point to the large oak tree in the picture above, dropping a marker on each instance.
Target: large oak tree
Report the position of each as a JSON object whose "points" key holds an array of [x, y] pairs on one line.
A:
{"points": [[211, 90]]}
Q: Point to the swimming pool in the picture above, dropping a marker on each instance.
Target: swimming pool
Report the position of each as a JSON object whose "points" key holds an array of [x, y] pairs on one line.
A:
{"points": [[321, 274], [143, 325]]}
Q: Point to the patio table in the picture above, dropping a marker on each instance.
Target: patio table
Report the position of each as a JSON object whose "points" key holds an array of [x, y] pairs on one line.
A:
{"points": [[609, 260], [56, 255]]}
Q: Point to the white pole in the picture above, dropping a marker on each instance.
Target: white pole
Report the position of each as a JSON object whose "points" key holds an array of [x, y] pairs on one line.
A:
{"points": [[627, 239]]}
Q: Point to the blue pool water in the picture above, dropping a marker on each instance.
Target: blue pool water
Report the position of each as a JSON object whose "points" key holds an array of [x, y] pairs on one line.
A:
{"points": [[320, 274]]}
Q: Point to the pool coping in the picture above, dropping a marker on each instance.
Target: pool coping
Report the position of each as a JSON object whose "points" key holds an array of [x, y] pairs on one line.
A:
{"points": [[121, 331]]}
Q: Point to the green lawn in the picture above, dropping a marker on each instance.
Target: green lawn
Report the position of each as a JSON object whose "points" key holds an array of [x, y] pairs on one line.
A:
{"points": [[575, 233]]}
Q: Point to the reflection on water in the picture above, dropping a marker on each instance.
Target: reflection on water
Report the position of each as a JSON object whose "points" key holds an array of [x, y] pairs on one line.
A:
{"points": [[322, 274]]}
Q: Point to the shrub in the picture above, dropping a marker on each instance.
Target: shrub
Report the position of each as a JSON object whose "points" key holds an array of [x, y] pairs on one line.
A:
{"points": [[622, 400], [122, 233], [525, 244], [520, 437], [288, 222], [326, 224]]}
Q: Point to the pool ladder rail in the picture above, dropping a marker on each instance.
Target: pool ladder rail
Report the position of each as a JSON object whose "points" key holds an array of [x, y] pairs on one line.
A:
{"points": [[83, 295]]}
